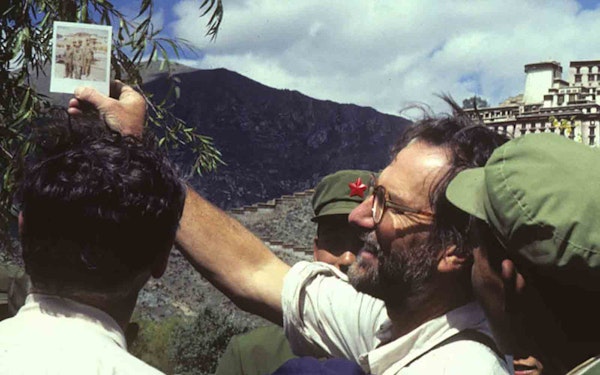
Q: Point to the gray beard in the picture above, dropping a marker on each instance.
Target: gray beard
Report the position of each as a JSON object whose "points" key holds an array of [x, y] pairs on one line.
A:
{"points": [[399, 276], [364, 277]]}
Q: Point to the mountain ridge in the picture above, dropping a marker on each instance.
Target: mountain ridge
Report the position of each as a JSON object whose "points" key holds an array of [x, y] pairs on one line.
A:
{"points": [[288, 138], [283, 135]]}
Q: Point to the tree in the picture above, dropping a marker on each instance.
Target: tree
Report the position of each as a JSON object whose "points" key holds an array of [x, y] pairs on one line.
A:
{"points": [[566, 126], [474, 102], [25, 49]]}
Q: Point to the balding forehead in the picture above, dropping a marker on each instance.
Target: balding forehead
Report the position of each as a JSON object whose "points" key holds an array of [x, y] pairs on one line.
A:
{"points": [[414, 170]]}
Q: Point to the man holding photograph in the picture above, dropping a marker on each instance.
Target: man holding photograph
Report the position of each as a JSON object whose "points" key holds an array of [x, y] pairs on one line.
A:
{"points": [[434, 323]]}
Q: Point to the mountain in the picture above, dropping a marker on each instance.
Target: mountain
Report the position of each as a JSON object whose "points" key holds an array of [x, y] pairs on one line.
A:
{"points": [[274, 142]]}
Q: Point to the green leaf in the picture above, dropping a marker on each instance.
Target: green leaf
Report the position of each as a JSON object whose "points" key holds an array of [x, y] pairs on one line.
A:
{"points": [[83, 11], [26, 28], [146, 4]]}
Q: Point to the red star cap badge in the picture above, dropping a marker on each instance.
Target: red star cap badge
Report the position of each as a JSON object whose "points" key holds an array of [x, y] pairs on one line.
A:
{"points": [[357, 188]]}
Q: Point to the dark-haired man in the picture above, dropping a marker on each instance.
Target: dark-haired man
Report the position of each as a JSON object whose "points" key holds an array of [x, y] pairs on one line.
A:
{"points": [[417, 237], [99, 213], [537, 272]]}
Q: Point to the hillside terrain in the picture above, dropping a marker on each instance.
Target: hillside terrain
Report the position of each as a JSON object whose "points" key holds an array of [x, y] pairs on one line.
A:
{"points": [[274, 142], [183, 291]]}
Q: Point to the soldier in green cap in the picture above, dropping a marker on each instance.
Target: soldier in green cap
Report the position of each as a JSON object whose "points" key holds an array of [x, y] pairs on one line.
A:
{"points": [[537, 272], [337, 242], [264, 349]]}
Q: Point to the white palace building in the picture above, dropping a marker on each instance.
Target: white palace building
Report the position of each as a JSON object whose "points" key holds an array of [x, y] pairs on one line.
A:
{"points": [[551, 104]]}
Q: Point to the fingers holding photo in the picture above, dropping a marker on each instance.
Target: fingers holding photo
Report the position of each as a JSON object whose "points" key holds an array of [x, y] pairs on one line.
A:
{"points": [[124, 112]]}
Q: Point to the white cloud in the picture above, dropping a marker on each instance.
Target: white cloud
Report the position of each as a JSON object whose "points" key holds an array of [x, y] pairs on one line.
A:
{"points": [[387, 54], [158, 19]]}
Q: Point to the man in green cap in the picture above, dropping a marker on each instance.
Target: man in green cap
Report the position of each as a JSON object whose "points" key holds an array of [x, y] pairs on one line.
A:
{"points": [[337, 242], [264, 349], [537, 272]]}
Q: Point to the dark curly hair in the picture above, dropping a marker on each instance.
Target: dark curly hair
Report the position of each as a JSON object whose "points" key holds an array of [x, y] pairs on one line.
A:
{"points": [[98, 208], [469, 144]]}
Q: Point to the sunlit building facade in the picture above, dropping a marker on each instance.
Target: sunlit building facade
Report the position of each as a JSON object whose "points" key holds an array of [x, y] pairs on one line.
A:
{"points": [[551, 104]]}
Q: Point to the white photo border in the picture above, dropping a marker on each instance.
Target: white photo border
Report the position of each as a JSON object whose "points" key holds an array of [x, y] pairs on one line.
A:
{"points": [[68, 85]]}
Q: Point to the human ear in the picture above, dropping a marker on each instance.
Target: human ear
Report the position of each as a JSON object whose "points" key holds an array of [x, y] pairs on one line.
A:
{"points": [[513, 280], [450, 261], [160, 264]]}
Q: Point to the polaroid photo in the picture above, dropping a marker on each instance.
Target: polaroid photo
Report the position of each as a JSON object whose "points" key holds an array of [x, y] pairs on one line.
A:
{"points": [[80, 57]]}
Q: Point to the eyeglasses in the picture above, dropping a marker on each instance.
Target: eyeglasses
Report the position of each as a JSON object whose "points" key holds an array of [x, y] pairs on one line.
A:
{"points": [[381, 200]]}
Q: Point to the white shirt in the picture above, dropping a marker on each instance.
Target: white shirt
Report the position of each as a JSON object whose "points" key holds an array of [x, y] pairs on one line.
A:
{"points": [[52, 335], [325, 315]]}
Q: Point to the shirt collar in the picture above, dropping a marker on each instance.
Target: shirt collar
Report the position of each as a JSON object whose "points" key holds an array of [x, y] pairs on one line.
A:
{"points": [[86, 315], [400, 352]]}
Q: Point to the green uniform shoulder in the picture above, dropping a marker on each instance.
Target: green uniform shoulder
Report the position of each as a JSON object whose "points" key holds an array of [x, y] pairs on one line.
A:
{"points": [[260, 351]]}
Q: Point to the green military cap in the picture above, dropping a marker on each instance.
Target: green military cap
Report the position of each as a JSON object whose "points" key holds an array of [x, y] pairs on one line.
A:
{"points": [[539, 193], [339, 193]]}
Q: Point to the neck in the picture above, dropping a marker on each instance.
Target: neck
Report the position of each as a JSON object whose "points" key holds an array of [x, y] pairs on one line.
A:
{"points": [[432, 303], [120, 309], [119, 304]]}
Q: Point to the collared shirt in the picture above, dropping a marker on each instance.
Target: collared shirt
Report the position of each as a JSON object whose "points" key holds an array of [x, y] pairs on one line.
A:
{"points": [[325, 315], [52, 335]]}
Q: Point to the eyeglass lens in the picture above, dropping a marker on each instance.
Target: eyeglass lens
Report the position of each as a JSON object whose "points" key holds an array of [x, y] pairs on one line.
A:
{"points": [[378, 203]]}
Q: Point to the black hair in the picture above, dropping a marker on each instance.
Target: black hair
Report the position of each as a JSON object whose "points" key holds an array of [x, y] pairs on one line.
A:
{"points": [[98, 207]]}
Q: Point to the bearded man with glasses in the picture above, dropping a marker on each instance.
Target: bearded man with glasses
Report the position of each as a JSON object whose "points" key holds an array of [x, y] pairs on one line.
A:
{"points": [[415, 240]]}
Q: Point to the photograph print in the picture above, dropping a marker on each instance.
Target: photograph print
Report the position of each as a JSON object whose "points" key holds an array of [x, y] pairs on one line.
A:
{"points": [[80, 57]]}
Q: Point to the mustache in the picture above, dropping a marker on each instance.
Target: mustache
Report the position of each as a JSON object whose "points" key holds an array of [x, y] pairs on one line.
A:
{"points": [[370, 243]]}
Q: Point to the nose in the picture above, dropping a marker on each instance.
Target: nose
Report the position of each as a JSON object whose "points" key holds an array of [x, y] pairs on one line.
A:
{"points": [[362, 216], [345, 260]]}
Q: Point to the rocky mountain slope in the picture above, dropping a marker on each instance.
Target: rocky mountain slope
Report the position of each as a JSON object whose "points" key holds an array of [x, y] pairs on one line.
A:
{"points": [[274, 142], [287, 230]]}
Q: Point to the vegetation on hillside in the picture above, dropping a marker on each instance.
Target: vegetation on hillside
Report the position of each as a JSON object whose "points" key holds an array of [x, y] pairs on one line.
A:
{"points": [[25, 49], [186, 345]]}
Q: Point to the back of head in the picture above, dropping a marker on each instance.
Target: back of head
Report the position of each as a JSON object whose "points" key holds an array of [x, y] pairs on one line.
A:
{"points": [[98, 208]]}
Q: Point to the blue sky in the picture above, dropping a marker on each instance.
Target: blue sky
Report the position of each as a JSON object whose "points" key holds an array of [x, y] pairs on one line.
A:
{"points": [[388, 54]]}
